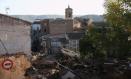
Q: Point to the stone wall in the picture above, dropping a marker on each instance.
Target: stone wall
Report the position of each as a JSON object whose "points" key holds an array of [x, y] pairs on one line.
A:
{"points": [[15, 34], [61, 26]]}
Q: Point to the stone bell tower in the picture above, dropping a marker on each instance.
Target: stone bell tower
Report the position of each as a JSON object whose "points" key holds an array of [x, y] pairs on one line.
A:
{"points": [[68, 13]]}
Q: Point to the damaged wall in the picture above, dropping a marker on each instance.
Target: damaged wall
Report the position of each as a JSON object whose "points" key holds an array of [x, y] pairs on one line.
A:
{"points": [[15, 34]]}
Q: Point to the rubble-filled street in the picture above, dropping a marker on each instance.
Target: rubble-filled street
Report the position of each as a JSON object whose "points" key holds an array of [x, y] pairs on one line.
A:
{"points": [[62, 66]]}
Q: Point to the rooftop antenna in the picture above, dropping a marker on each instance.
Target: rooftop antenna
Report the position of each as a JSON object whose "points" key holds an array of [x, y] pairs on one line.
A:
{"points": [[7, 10]]}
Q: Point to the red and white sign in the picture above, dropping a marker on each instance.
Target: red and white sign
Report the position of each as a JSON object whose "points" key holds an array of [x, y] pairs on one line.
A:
{"points": [[7, 64]]}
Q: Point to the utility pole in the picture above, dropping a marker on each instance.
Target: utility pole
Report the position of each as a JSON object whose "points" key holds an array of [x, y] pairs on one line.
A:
{"points": [[7, 10]]}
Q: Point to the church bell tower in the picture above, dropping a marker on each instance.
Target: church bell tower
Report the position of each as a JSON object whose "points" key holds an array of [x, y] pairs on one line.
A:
{"points": [[68, 13]]}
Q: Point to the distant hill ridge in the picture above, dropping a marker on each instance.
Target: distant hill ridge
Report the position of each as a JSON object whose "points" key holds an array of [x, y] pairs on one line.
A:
{"points": [[31, 18]]}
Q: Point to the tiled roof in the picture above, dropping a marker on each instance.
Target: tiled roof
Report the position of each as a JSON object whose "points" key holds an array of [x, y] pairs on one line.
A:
{"points": [[75, 35]]}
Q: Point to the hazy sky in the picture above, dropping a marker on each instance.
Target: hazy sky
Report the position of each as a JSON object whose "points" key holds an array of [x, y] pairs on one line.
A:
{"points": [[42, 7]]}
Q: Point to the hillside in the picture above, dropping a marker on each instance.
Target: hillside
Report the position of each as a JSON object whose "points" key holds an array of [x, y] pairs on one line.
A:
{"points": [[31, 18], [95, 18]]}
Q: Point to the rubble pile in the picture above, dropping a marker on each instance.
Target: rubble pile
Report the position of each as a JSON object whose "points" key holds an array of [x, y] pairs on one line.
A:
{"points": [[62, 66]]}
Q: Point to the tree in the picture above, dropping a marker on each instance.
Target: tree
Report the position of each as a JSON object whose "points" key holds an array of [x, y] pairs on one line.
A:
{"points": [[118, 13], [92, 45], [111, 42], [118, 16]]}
